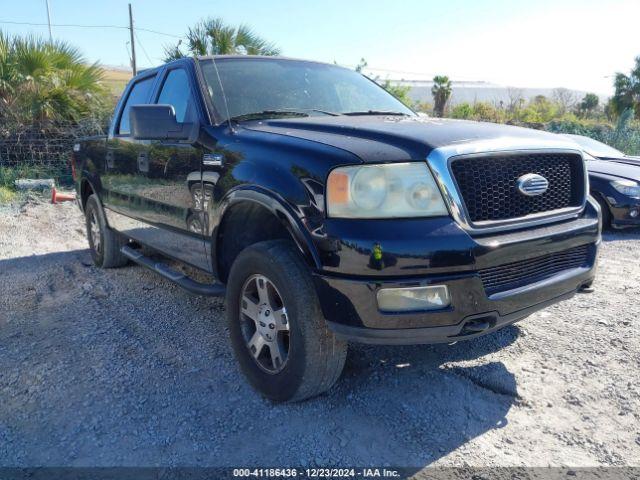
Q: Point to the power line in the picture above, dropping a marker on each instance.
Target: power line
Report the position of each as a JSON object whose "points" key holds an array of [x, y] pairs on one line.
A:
{"points": [[61, 24], [75, 25], [159, 33]]}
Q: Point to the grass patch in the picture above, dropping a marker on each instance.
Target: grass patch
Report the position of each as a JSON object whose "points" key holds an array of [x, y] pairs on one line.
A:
{"points": [[7, 195], [8, 175]]}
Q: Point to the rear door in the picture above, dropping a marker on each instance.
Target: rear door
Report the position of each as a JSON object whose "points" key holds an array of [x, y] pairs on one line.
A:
{"points": [[120, 177]]}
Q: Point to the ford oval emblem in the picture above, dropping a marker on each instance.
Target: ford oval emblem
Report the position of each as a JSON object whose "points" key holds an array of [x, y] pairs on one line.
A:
{"points": [[532, 184]]}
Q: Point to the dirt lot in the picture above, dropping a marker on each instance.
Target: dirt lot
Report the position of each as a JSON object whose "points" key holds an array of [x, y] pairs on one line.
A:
{"points": [[120, 367]]}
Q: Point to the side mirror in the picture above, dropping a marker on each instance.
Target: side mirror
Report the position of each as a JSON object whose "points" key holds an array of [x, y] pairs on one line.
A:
{"points": [[158, 122]]}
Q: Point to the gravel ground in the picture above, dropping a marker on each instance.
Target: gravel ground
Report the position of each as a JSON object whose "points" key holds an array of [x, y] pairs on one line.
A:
{"points": [[120, 367]]}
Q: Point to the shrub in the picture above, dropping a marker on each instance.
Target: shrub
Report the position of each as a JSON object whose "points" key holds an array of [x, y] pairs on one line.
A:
{"points": [[43, 81], [625, 135], [463, 111]]}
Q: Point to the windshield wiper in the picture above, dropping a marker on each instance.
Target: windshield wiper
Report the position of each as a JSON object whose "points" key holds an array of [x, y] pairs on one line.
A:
{"points": [[377, 112], [324, 112], [284, 112], [268, 114]]}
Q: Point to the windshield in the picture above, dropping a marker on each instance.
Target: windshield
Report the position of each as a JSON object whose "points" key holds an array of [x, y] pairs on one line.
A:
{"points": [[595, 148], [278, 87]]}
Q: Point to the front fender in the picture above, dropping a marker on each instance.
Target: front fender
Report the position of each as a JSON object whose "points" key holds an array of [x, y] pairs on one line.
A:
{"points": [[275, 204]]}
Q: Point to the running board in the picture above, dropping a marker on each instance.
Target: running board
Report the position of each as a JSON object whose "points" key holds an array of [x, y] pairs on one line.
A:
{"points": [[180, 279]]}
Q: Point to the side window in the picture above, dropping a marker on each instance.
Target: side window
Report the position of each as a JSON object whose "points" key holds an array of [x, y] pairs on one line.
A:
{"points": [[139, 94], [175, 91]]}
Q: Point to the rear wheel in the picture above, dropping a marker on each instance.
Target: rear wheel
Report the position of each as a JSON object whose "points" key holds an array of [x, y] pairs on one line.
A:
{"points": [[278, 333], [104, 243]]}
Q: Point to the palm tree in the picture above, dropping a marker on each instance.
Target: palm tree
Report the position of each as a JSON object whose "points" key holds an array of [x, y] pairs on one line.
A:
{"points": [[213, 37], [627, 91], [47, 81], [441, 92]]}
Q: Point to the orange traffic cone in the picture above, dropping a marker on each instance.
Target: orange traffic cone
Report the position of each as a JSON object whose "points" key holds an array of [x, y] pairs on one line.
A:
{"points": [[61, 197]]}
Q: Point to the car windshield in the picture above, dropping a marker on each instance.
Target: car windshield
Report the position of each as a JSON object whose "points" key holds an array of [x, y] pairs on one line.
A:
{"points": [[278, 88], [595, 148]]}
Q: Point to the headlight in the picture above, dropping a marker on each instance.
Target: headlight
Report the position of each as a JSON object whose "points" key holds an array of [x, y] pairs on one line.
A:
{"points": [[392, 190], [627, 187]]}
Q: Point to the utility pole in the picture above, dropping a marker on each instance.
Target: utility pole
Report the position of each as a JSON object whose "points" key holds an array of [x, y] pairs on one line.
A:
{"points": [[133, 43], [49, 21]]}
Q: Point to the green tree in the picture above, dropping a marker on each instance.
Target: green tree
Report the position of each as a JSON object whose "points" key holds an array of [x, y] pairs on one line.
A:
{"points": [[627, 91], [589, 103], [214, 37], [47, 81], [441, 92], [540, 110]]}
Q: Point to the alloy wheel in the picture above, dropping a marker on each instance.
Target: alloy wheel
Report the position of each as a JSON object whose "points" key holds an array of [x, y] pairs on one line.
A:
{"points": [[264, 324]]}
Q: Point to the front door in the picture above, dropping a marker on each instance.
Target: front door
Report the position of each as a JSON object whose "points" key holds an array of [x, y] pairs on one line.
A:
{"points": [[164, 207]]}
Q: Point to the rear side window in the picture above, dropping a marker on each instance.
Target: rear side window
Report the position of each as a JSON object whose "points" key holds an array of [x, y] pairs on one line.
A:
{"points": [[175, 91], [139, 95]]}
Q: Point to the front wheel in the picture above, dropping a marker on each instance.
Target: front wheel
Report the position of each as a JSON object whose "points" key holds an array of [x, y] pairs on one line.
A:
{"points": [[278, 333]]}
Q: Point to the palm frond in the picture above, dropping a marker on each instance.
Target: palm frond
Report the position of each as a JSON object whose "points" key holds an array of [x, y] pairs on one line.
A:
{"points": [[172, 52], [198, 40], [213, 36], [47, 81]]}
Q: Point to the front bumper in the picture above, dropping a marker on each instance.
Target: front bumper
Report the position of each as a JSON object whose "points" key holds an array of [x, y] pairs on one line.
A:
{"points": [[349, 301], [471, 327], [622, 215]]}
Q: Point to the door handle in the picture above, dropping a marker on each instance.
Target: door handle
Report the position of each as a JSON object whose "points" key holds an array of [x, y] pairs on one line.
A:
{"points": [[109, 159], [143, 162]]}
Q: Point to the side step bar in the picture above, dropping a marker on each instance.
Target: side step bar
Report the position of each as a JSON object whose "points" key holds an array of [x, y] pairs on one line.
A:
{"points": [[198, 288]]}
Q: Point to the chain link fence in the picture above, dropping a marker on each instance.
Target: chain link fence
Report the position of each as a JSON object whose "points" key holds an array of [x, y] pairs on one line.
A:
{"points": [[43, 150]]}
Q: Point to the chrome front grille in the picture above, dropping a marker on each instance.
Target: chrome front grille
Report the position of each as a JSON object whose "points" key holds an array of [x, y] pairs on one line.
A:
{"points": [[489, 184], [480, 181]]}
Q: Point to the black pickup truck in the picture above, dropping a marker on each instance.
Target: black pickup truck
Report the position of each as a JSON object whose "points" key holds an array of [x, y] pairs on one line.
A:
{"points": [[326, 211]]}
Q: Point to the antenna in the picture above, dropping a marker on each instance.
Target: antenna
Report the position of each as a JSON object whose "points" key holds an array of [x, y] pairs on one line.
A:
{"points": [[224, 96]]}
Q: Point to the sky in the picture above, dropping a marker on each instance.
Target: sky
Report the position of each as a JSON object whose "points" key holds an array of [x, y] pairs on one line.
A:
{"points": [[577, 44]]}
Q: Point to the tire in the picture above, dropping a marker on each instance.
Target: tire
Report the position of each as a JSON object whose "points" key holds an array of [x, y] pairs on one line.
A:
{"points": [[104, 243], [312, 357], [606, 211]]}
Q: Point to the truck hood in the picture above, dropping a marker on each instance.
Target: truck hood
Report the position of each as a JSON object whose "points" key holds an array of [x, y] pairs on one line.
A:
{"points": [[615, 169], [393, 138]]}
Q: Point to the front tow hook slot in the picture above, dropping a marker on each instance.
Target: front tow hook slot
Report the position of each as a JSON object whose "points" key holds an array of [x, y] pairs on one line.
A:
{"points": [[586, 288], [475, 326]]}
